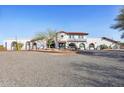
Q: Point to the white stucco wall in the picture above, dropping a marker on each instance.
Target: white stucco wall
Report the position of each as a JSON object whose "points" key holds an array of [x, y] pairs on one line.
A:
{"points": [[59, 38], [9, 42], [95, 41], [66, 37], [43, 44], [99, 41]]}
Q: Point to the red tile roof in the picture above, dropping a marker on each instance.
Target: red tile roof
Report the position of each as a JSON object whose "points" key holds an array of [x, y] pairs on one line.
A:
{"points": [[74, 33], [111, 40]]}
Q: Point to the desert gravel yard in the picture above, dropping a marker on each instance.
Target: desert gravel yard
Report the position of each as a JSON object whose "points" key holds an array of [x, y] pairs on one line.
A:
{"points": [[37, 69]]}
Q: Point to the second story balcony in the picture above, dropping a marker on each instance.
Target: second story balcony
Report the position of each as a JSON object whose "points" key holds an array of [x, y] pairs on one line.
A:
{"points": [[72, 39], [71, 36], [76, 40]]}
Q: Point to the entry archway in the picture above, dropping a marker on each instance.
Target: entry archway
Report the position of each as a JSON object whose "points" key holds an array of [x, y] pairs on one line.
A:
{"points": [[28, 45], [34, 45], [72, 46], [91, 46], [82, 46], [14, 45]]}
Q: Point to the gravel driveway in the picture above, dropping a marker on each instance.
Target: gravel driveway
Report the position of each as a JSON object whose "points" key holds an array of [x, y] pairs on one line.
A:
{"points": [[34, 69]]}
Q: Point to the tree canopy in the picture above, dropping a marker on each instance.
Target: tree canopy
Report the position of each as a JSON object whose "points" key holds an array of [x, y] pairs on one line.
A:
{"points": [[49, 34]]}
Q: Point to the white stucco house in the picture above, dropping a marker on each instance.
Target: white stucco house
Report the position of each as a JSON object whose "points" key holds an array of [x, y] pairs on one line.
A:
{"points": [[64, 39], [81, 41]]}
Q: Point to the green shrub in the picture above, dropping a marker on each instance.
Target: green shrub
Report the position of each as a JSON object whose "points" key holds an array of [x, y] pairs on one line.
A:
{"points": [[2, 48], [110, 47], [115, 46], [103, 46], [122, 44], [20, 45], [17, 46]]}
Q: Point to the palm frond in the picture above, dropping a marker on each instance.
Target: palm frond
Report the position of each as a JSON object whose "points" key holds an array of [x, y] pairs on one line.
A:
{"points": [[120, 22]]}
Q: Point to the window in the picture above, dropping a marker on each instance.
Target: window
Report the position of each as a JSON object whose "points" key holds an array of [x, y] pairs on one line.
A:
{"points": [[62, 36], [79, 36], [82, 37], [71, 36]]}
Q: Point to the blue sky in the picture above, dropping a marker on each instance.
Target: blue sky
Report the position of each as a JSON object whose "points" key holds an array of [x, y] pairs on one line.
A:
{"points": [[26, 21]]}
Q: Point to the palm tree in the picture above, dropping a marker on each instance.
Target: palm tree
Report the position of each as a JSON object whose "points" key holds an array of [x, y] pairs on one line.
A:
{"points": [[120, 22]]}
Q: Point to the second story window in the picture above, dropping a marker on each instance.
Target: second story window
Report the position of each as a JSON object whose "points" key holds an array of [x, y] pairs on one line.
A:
{"points": [[71, 36], [80, 36], [62, 36]]}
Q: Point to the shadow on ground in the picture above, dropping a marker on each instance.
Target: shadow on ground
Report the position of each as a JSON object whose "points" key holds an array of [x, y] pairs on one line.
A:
{"points": [[119, 55], [90, 74]]}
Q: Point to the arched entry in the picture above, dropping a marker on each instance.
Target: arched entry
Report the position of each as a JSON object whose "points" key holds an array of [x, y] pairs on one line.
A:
{"points": [[91, 46], [82, 46], [14, 45], [28, 45], [34, 45], [62, 45], [72, 46]]}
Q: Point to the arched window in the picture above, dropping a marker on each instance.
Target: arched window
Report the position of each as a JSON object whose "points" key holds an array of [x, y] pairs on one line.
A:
{"points": [[92, 46], [72, 46], [82, 46]]}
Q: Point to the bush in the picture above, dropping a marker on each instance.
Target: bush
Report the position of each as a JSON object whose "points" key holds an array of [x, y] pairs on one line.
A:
{"points": [[103, 46], [110, 47], [122, 45], [115, 46], [20, 45], [2, 48], [17, 46]]}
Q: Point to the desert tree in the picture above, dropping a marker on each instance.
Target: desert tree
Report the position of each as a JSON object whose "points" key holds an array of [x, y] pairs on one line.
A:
{"points": [[48, 36]]}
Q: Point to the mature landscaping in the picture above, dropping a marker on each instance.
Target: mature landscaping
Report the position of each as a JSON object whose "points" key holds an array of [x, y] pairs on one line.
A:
{"points": [[64, 59]]}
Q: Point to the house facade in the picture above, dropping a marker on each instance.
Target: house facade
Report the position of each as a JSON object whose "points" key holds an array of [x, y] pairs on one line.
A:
{"points": [[71, 39], [66, 40], [82, 42], [95, 43]]}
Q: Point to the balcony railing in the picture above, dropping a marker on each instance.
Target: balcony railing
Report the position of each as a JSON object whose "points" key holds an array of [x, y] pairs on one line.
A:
{"points": [[73, 39]]}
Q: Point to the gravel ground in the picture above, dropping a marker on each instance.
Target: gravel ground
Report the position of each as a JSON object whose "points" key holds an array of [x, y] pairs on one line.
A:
{"points": [[37, 69]]}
